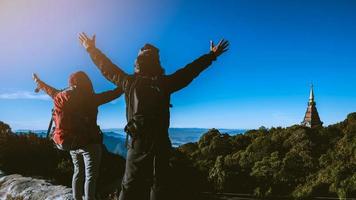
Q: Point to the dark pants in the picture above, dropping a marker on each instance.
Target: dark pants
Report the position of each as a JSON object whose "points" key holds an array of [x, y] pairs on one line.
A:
{"points": [[147, 173]]}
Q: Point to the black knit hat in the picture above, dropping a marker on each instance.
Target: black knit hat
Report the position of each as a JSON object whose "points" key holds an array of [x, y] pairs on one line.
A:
{"points": [[148, 47], [147, 62]]}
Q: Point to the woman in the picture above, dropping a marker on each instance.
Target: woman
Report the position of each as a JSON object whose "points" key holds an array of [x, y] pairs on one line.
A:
{"points": [[75, 117]]}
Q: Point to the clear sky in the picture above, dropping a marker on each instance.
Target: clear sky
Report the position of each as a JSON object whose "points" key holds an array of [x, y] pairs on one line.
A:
{"points": [[278, 48]]}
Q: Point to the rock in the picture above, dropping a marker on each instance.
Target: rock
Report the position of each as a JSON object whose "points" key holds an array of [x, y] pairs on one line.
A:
{"points": [[26, 188]]}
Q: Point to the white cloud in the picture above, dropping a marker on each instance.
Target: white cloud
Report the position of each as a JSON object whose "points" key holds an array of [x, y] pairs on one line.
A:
{"points": [[24, 95]]}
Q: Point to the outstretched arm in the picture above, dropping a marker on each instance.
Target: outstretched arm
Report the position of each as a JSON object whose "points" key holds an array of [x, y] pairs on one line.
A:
{"points": [[186, 75], [51, 91], [109, 70], [106, 97]]}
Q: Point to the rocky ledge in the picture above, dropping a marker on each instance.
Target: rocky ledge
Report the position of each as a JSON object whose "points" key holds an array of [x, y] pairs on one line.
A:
{"points": [[17, 187]]}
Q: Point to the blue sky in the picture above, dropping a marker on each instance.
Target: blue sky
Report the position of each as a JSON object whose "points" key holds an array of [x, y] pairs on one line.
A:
{"points": [[278, 48]]}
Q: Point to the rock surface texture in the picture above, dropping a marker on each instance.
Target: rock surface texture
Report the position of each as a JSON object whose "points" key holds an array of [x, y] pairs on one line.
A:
{"points": [[17, 187]]}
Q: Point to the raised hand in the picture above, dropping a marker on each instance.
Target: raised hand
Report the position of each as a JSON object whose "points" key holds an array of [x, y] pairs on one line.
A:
{"points": [[35, 78], [222, 46], [86, 41], [37, 81]]}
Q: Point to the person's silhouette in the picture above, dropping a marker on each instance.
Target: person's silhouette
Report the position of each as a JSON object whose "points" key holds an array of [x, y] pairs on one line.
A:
{"points": [[147, 94], [76, 130]]}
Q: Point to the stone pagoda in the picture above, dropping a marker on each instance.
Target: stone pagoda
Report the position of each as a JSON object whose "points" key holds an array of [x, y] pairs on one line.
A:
{"points": [[311, 118]]}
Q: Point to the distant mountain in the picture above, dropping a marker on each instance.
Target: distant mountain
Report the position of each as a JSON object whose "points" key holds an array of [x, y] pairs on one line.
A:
{"points": [[181, 136], [115, 139], [115, 142]]}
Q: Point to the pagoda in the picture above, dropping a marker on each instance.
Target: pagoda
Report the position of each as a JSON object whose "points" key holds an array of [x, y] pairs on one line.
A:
{"points": [[311, 118]]}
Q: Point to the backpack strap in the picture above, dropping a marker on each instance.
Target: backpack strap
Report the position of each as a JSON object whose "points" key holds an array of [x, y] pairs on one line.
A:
{"points": [[132, 85], [50, 124]]}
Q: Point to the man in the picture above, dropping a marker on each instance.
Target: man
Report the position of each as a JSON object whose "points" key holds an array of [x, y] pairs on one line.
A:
{"points": [[147, 95]]}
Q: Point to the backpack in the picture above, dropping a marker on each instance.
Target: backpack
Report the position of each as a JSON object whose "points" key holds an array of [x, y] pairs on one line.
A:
{"points": [[145, 102], [71, 124]]}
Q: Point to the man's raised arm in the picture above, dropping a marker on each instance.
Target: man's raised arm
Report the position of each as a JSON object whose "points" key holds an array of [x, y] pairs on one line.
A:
{"points": [[109, 70], [184, 76]]}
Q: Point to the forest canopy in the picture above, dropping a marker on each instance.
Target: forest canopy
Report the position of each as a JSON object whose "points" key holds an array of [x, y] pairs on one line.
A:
{"points": [[294, 162]]}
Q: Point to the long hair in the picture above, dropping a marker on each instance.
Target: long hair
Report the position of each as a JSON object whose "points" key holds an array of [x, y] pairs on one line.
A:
{"points": [[147, 62], [82, 82]]}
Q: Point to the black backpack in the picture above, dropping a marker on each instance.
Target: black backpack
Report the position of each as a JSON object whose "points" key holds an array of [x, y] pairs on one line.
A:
{"points": [[145, 104]]}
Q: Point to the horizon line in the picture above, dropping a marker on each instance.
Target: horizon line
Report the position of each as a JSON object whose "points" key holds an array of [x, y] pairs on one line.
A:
{"points": [[17, 130]]}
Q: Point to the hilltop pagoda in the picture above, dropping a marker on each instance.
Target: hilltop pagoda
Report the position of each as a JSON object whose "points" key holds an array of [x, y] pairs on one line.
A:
{"points": [[311, 118]]}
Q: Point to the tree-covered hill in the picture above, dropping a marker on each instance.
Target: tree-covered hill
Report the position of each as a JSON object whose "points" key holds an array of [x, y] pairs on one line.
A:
{"points": [[295, 162]]}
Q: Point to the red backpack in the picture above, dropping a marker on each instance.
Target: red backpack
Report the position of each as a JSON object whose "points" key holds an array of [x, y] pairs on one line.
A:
{"points": [[71, 123]]}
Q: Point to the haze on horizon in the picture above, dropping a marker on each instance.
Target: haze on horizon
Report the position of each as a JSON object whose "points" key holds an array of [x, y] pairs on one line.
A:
{"points": [[278, 48]]}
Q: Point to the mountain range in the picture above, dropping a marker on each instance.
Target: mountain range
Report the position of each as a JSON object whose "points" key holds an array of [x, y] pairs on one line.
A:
{"points": [[115, 139]]}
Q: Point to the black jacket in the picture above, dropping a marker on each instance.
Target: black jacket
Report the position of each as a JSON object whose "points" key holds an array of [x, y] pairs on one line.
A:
{"points": [[136, 101]]}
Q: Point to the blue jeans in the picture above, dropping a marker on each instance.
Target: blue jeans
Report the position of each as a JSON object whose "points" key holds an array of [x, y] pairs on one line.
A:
{"points": [[86, 163]]}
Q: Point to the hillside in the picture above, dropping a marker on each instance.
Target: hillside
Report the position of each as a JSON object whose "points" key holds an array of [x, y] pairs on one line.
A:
{"points": [[294, 162]]}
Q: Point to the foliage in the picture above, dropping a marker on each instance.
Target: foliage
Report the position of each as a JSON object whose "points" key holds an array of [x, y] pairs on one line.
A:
{"points": [[30, 155], [295, 162]]}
